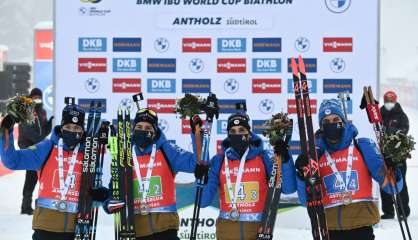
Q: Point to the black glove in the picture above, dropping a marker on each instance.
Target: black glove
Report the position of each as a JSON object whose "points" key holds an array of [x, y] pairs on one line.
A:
{"points": [[363, 104], [281, 148], [301, 165], [201, 172], [8, 122], [99, 194], [49, 125], [195, 121], [211, 107]]}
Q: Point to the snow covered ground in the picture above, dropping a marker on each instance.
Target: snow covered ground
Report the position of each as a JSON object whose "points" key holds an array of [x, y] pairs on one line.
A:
{"points": [[293, 224]]}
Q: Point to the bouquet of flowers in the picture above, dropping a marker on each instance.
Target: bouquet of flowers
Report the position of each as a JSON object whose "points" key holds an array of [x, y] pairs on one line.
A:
{"points": [[189, 105], [21, 109], [398, 146], [277, 127]]}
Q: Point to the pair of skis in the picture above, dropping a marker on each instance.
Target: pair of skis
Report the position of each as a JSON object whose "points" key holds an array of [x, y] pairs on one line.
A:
{"points": [[92, 164], [265, 232], [315, 205], [375, 118]]}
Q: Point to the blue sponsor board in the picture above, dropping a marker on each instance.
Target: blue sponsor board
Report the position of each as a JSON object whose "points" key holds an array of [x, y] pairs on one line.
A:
{"points": [[294, 148], [311, 65], [267, 65], [338, 85], [312, 84], [165, 65], [85, 103], [221, 126], [161, 85], [195, 85], [92, 44], [229, 105], [126, 65], [232, 45], [127, 44], [258, 126], [267, 44]]}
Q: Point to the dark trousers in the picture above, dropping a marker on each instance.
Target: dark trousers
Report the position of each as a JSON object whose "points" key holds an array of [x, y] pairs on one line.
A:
{"points": [[387, 203], [364, 233], [166, 235], [30, 183], [46, 235]]}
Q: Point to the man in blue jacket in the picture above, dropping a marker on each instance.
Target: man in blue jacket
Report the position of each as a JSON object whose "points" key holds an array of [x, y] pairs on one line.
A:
{"points": [[347, 166], [240, 175]]}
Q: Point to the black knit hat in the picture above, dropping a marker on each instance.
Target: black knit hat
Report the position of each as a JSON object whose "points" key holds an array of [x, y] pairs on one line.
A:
{"points": [[238, 119], [35, 92], [147, 115], [73, 114]]}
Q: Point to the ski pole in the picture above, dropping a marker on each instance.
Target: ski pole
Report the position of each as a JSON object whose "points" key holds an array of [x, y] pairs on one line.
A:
{"points": [[344, 97]]}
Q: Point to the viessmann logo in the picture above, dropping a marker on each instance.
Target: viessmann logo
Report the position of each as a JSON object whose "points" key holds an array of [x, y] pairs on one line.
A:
{"points": [[126, 85], [338, 44], [162, 105], [267, 86], [197, 45], [291, 106], [231, 65], [92, 64]]}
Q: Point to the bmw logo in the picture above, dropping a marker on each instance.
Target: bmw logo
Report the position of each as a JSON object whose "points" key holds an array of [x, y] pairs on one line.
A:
{"points": [[126, 103], [337, 65], [266, 106], [231, 86], [196, 65], [163, 125], [48, 97], [161, 44], [92, 85], [338, 6], [302, 44], [83, 11]]}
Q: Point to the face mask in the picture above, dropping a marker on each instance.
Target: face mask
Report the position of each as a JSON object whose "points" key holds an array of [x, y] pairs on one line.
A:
{"points": [[389, 105], [37, 101], [142, 138], [333, 131], [239, 143], [71, 139]]}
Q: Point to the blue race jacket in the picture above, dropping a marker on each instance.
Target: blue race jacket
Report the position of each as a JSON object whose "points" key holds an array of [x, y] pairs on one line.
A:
{"points": [[32, 158], [256, 148], [369, 151]]}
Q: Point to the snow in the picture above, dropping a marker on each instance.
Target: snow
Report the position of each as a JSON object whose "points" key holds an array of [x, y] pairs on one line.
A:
{"points": [[292, 223]]}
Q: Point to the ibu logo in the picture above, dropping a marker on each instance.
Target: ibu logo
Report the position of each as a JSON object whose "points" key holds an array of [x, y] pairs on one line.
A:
{"points": [[126, 65], [267, 65], [231, 44], [92, 45], [221, 126], [155, 85]]}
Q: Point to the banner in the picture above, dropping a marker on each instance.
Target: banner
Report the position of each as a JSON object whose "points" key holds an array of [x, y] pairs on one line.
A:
{"points": [[238, 49]]}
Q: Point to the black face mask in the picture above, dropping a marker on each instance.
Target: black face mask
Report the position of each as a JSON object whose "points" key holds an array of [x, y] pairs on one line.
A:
{"points": [[333, 131], [71, 139], [142, 138], [239, 142]]}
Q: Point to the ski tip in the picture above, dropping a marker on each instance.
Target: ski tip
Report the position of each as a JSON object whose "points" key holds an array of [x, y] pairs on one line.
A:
{"points": [[294, 66], [301, 65]]}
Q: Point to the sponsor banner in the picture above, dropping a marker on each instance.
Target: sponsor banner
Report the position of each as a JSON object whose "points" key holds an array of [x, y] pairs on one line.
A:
{"points": [[267, 44], [185, 126], [44, 45], [228, 45], [258, 126], [219, 147], [126, 65], [162, 105], [267, 85], [312, 84], [338, 44], [127, 44], [195, 86], [291, 106], [311, 65], [92, 44], [197, 45], [221, 126], [163, 65], [231, 65], [267, 65], [338, 85], [295, 148], [85, 103], [161, 85], [229, 105], [126, 85], [92, 64]]}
